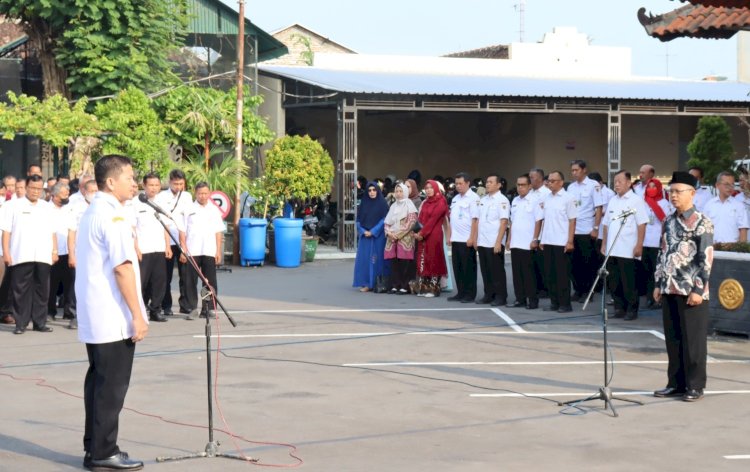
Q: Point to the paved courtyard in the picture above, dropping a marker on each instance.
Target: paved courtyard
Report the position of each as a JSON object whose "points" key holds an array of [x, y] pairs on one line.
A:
{"points": [[365, 382]]}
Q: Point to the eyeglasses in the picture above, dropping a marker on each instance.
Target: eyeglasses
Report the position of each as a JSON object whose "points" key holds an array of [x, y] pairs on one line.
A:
{"points": [[673, 191]]}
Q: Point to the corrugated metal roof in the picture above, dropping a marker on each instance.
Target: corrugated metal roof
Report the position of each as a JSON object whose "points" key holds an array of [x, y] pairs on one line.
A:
{"points": [[368, 82]]}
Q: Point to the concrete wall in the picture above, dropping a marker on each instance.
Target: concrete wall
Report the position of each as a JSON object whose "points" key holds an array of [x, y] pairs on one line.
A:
{"points": [[561, 138], [318, 44], [651, 140]]}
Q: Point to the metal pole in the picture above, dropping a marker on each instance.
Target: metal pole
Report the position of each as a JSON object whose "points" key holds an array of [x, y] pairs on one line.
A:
{"points": [[238, 137]]}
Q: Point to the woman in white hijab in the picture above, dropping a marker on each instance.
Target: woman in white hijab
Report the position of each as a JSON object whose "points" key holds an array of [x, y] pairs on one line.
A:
{"points": [[399, 243]]}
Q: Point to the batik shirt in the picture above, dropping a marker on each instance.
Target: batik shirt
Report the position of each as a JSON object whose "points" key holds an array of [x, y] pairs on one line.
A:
{"points": [[686, 254]]}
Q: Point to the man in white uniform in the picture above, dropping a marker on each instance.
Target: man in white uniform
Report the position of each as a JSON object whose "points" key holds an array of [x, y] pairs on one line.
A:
{"points": [[153, 248], [464, 219], [727, 214], [111, 314], [200, 234], [175, 200], [30, 249], [703, 193], [538, 191], [646, 173], [588, 196], [557, 228], [494, 211], [524, 213], [628, 246], [61, 272], [76, 212]]}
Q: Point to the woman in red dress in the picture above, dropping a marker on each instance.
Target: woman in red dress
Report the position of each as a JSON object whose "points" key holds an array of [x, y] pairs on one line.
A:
{"points": [[430, 256]]}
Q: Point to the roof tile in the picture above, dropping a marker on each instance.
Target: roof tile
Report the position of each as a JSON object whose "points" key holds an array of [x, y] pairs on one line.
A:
{"points": [[698, 21]]}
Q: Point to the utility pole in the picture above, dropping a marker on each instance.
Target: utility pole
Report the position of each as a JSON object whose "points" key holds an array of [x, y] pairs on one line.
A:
{"points": [[522, 13], [238, 136]]}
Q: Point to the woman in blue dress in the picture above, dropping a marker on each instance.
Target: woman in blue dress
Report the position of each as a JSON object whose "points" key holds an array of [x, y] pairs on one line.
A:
{"points": [[370, 262]]}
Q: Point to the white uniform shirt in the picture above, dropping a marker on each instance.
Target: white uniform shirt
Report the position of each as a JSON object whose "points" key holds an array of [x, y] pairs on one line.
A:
{"points": [[540, 193], [60, 221], [464, 208], [702, 196], [588, 197], [76, 198], [728, 218], [628, 237], [740, 197], [654, 226], [607, 194], [31, 231], [175, 205], [150, 232], [492, 210], [76, 212], [557, 210], [201, 223], [104, 241], [524, 213]]}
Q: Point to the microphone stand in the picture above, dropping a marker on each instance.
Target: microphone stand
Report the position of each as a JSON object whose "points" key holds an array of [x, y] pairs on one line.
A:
{"points": [[604, 393], [212, 447]]}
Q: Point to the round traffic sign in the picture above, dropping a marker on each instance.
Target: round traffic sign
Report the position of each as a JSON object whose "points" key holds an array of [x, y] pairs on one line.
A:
{"points": [[221, 200]]}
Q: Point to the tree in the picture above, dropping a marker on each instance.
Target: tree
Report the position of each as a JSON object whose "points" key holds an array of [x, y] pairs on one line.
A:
{"points": [[98, 47], [134, 129], [711, 148], [298, 167]]}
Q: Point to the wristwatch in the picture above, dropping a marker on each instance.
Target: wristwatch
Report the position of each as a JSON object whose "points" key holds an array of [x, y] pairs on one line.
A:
{"points": [[596, 228]]}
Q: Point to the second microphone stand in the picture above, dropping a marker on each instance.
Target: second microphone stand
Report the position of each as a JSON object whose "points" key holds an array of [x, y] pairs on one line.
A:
{"points": [[604, 393]]}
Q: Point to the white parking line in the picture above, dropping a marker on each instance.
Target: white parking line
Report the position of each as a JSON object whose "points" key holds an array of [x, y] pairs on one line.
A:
{"points": [[745, 457], [508, 320], [422, 333], [511, 363], [581, 394]]}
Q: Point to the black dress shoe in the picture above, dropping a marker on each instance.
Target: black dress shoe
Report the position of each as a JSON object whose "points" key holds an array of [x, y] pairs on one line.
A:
{"points": [[454, 298], [68, 316], [43, 329], [631, 316], [619, 314], [693, 395], [565, 309], [168, 312], [158, 317], [498, 303], [185, 312], [484, 301], [19, 330], [669, 392], [517, 304], [552, 308], [467, 300], [119, 461], [532, 306]]}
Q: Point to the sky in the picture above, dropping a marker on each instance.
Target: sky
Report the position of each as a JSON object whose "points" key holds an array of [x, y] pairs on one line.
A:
{"points": [[437, 27]]}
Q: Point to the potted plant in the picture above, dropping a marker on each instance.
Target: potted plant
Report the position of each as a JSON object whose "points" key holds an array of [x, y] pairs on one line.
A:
{"points": [[729, 284], [297, 168]]}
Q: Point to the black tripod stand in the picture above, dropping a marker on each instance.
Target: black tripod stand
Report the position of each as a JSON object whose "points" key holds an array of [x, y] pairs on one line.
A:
{"points": [[207, 293], [604, 393]]}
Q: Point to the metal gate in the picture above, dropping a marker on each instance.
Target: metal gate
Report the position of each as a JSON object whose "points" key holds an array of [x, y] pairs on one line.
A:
{"points": [[346, 176], [614, 159]]}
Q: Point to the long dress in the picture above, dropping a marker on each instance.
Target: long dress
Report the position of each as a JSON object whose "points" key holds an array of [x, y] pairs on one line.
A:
{"points": [[430, 253], [370, 260]]}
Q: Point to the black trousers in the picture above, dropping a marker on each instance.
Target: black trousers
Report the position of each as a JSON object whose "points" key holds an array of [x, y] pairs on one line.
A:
{"points": [[207, 265], [557, 262], [153, 280], [492, 267], [402, 271], [6, 296], [29, 284], [104, 389], [584, 263], [61, 273], [685, 329], [622, 285], [464, 260], [537, 258], [524, 278], [166, 303], [648, 263]]}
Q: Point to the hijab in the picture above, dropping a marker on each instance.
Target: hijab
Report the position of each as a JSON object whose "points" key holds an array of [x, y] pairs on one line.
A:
{"points": [[652, 197], [401, 207], [434, 206], [372, 209], [413, 189]]}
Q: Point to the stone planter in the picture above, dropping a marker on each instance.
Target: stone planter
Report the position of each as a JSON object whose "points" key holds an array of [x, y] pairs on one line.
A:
{"points": [[730, 293]]}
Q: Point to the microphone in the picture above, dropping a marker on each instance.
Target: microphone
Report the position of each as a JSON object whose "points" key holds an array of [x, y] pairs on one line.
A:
{"points": [[623, 215], [144, 199]]}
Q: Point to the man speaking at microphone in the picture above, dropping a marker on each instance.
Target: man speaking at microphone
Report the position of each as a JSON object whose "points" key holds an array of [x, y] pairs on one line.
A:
{"points": [[627, 214], [111, 313]]}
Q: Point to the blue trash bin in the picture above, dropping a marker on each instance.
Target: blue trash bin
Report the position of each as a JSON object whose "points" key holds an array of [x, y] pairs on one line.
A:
{"points": [[288, 235], [252, 241]]}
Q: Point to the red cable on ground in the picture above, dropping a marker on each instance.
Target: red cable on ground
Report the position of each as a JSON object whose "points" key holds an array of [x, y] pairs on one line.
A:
{"points": [[41, 382]]}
